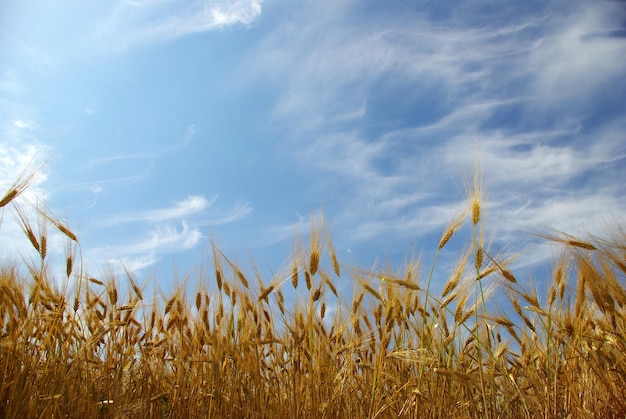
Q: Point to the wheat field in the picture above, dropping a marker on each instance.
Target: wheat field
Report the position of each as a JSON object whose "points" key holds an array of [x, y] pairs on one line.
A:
{"points": [[292, 346]]}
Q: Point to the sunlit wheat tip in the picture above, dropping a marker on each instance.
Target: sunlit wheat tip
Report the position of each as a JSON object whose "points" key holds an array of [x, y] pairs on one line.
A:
{"points": [[242, 278], [335, 262], [475, 211], [451, 229], [446, 237], [314, 261], [317, 294], [581, 244], [536, 310], [43, 250], [552, 296], [265, 292], [486, 272], [371, 290], [69, 263], [479, 257], [198, 300], [96, 281], [218, 279], [169, 305], [451, 284], [280, 300], [357, 302], [8, 197], [403, 283], [294, 276], [33, 240], [329, 283], [448, 300], [508, 275], [63, 229]]}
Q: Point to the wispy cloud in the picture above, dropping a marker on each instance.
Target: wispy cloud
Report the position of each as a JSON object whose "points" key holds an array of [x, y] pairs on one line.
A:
{"points": [[514, 97], [99, 165], [237, 212], [150, 155], [579, 56], [139, 22], [571, 213], [190, 206], [533, 157], [164, 237], [25, 125], [98, 185], [134, 264], [11, 83], [135, 256]]}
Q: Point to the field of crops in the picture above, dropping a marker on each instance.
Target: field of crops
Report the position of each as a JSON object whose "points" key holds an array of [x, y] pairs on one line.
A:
{"points": [[292, 346]]}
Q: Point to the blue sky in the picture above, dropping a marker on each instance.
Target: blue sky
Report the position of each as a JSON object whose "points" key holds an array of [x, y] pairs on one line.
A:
{"points": [[163, 121]]}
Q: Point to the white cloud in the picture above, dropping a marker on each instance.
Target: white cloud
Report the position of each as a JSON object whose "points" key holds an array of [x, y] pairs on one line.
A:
{"points": [[134, 264], [574, 61], [151, 154], [238, 211], [164, 239], [517, 158], [232, 12], [351, 156], [191, 205], [574, 214], [11, 83], [331, 64], [98, 185], [489, 91], [135, 23], [25, 125]]}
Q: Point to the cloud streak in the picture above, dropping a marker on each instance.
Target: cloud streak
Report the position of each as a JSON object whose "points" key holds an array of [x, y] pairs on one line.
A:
{"points": [[163, 239], [148, 155], [190, 206], [138, 22], [97, 186], [164, 236], [238, 211], [516, 97]]}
